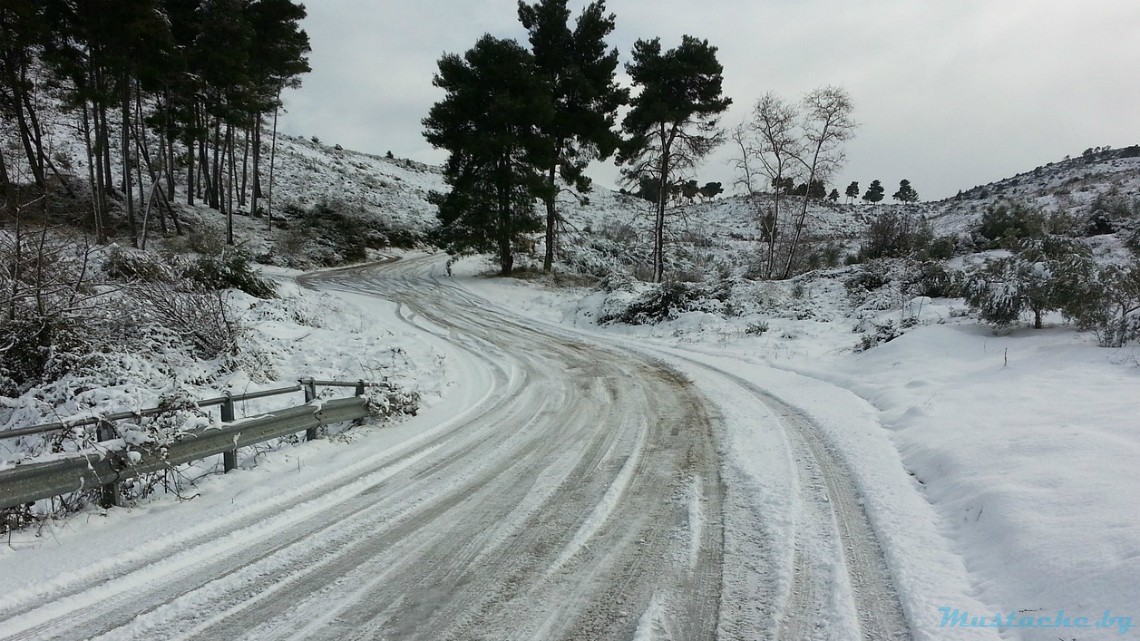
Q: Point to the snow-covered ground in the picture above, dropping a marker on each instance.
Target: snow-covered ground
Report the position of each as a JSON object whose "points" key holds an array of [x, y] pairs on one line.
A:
{"points": [[994, 474], [998, 471]]}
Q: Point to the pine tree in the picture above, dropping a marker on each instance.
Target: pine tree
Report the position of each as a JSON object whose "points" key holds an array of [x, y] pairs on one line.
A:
{"points": [[711, 190], [874, 192], [490, 121], [673, 120], [22, 29], [99, 49], [906, 193], [278, 59], [852, 190], [579, 72]]}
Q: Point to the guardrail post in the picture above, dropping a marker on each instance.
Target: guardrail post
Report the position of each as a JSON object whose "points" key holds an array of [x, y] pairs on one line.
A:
{"points": [[360, 387], [229, 457], [112, 495], [310, 386]]}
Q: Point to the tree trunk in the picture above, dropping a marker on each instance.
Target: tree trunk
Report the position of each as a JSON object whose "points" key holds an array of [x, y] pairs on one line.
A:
{"points": [[167, 204], [659, 222], [244, 169], [189, 172], [32, 149], [802, 218], [205, 174], [37, 134], [7, 188], [125, 152], [144, 158], [92, 178], [142, 153], [228, 156], [272, 158], [105, 148], [214, 188], [503, 183], [551, 222], [256, 191], [168, 160]]}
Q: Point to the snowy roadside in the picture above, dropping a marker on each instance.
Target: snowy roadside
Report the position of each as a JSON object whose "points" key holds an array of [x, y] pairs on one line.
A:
{"points": [[993, 488], [302, 333]]}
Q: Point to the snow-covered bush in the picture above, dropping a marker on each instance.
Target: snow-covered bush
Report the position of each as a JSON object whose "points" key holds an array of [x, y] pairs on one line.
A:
{"points": [[1110, 305], [52, 306], [1005, 223], [230, 270], [200, 317], [879, 333], [895, 235], [335, 232], [1045, 274], [667, 301], [931, 279], [385, 401], [868, 278]]}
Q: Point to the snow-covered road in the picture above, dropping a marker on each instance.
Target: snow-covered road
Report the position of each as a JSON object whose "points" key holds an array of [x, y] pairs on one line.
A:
{"points": [[572, 493], [565, 488]]}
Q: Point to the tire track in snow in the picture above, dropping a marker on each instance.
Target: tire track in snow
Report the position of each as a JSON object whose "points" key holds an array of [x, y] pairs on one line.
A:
{"points": [[836, 504], [590, 461]]}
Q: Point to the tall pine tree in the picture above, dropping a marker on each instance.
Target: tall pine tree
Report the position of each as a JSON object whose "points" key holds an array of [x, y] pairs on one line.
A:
{"points": [[579, 71], [491, 121], [874, 192], [673, 122]]}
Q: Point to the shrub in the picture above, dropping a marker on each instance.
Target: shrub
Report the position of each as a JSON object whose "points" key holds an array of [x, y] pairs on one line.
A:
{"points": [[931, 279], [868, 278], [895, 235], [756, 329], [1048, 274], [50, 310], [1005, 223], [1110, 304], [229, 271], [198, 316], [129, 265], [884, 332], [942, 248], [328, 235], [667, 301]]}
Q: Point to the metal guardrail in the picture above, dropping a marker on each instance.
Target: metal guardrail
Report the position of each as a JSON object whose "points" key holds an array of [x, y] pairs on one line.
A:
{"points": [[107, 469]]}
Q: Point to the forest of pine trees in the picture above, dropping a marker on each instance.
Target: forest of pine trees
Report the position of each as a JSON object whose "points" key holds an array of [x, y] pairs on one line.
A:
{"points": [[172, 85]]}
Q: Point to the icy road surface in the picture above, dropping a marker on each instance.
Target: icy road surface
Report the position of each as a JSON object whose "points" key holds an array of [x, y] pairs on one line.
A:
{"points": [[573, 491]]}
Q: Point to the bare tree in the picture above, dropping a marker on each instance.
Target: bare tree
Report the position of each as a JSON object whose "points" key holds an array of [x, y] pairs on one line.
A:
{"points": [[769, 144], [826, 125]]}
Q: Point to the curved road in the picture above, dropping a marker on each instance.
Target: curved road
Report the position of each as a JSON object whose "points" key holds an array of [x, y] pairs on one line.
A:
{"points": [[578, 497]]}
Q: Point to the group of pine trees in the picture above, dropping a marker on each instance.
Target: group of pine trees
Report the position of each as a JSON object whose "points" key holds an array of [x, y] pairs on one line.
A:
{"points": [[875, 192], [514, 120], [171, 85]]}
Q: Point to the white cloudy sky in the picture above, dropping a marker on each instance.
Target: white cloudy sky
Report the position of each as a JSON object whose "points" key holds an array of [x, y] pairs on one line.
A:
{"points": [[949, 93]]}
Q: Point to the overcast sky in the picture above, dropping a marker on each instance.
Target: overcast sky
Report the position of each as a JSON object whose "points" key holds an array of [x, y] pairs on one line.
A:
{"points": [[948, 93]]}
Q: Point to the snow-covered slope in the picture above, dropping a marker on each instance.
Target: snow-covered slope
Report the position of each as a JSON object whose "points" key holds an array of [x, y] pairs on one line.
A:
{"points": [[393, 190]]}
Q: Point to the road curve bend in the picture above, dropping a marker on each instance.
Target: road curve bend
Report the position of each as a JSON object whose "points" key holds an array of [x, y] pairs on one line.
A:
{"points": [[579, 499]]}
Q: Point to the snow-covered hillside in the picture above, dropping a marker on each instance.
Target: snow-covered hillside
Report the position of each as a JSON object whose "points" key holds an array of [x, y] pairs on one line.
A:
{"points": [[392, 190], [995, 468]]}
